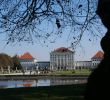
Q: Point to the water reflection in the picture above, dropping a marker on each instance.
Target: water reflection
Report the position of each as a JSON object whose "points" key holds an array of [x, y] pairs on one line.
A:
{"points": [[43, 82], [36, 83], [17, 84], [66, 82]]}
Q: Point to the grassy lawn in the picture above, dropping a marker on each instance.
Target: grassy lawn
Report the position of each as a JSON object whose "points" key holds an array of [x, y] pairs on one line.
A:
{"points": [[68, 92], [73, 72], [83, 71]]}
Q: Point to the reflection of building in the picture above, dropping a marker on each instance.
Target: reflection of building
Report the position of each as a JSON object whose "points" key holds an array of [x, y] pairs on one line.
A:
{"points": [[66, 81], [62, 59], [43, 65], [27, 61], [95, 60]]}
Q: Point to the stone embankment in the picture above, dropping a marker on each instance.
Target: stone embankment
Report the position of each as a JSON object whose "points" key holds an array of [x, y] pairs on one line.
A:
{"points": [[36, 77]]}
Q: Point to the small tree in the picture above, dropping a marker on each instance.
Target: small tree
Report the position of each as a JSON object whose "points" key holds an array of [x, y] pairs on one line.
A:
{"points": [[16, 63]]}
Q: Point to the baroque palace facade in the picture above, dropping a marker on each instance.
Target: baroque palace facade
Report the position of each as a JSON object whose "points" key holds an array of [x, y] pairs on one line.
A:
{"points": [[62, 59]]}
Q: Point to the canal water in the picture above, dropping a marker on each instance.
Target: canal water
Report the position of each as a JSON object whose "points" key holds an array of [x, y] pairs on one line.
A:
{"points": [[37, 83]]}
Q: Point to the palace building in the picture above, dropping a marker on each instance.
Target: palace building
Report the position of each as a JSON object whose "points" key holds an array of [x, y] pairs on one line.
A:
{"points": [[27, 61], [62, 59], [93, 63], [97, 58], [82, 64]]}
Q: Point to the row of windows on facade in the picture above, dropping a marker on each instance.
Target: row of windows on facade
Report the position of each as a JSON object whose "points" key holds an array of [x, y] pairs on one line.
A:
{"points": [[65, 63], [62, 56], [59, 54], [87, 65], [96, 59], [95, 64], [62, 64], [36, 63], [61, 61], [83, 65]]}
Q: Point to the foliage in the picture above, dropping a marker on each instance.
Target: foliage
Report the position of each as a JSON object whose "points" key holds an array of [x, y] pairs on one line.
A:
{"points": [[5, 61], [16, 63], [41, 20]]}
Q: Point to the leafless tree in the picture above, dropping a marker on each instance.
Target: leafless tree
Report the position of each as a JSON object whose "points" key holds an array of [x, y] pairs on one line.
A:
{"points": [[31, 20]]}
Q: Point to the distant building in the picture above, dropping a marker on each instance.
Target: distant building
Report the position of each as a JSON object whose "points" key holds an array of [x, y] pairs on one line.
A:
{"points": [[27, 61], [43, 65], [62, 59], [96, 59], [83, 64]]}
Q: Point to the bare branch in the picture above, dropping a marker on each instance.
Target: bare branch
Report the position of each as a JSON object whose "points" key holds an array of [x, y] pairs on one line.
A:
{"points": [[24, 20]]}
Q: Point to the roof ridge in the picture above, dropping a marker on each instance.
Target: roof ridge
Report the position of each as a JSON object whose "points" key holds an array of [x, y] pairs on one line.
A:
{"points": [[26, 55], [62, 49], [98, 55]]}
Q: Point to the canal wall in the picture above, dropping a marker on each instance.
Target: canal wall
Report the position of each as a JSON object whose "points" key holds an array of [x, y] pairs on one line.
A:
{"points": [[36, 77]]}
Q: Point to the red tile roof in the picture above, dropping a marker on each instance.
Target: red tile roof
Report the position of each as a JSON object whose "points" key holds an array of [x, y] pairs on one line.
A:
{"points": [[26, 55], [62, 49], [98, 55]]}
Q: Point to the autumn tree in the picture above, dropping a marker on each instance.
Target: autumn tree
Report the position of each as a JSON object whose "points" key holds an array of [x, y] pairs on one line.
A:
{"points": [[5, 61]]}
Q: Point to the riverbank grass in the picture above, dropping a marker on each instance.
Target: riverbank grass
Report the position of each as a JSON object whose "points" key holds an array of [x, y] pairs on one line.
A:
{"points": [[73, 72], [66, 92]]}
